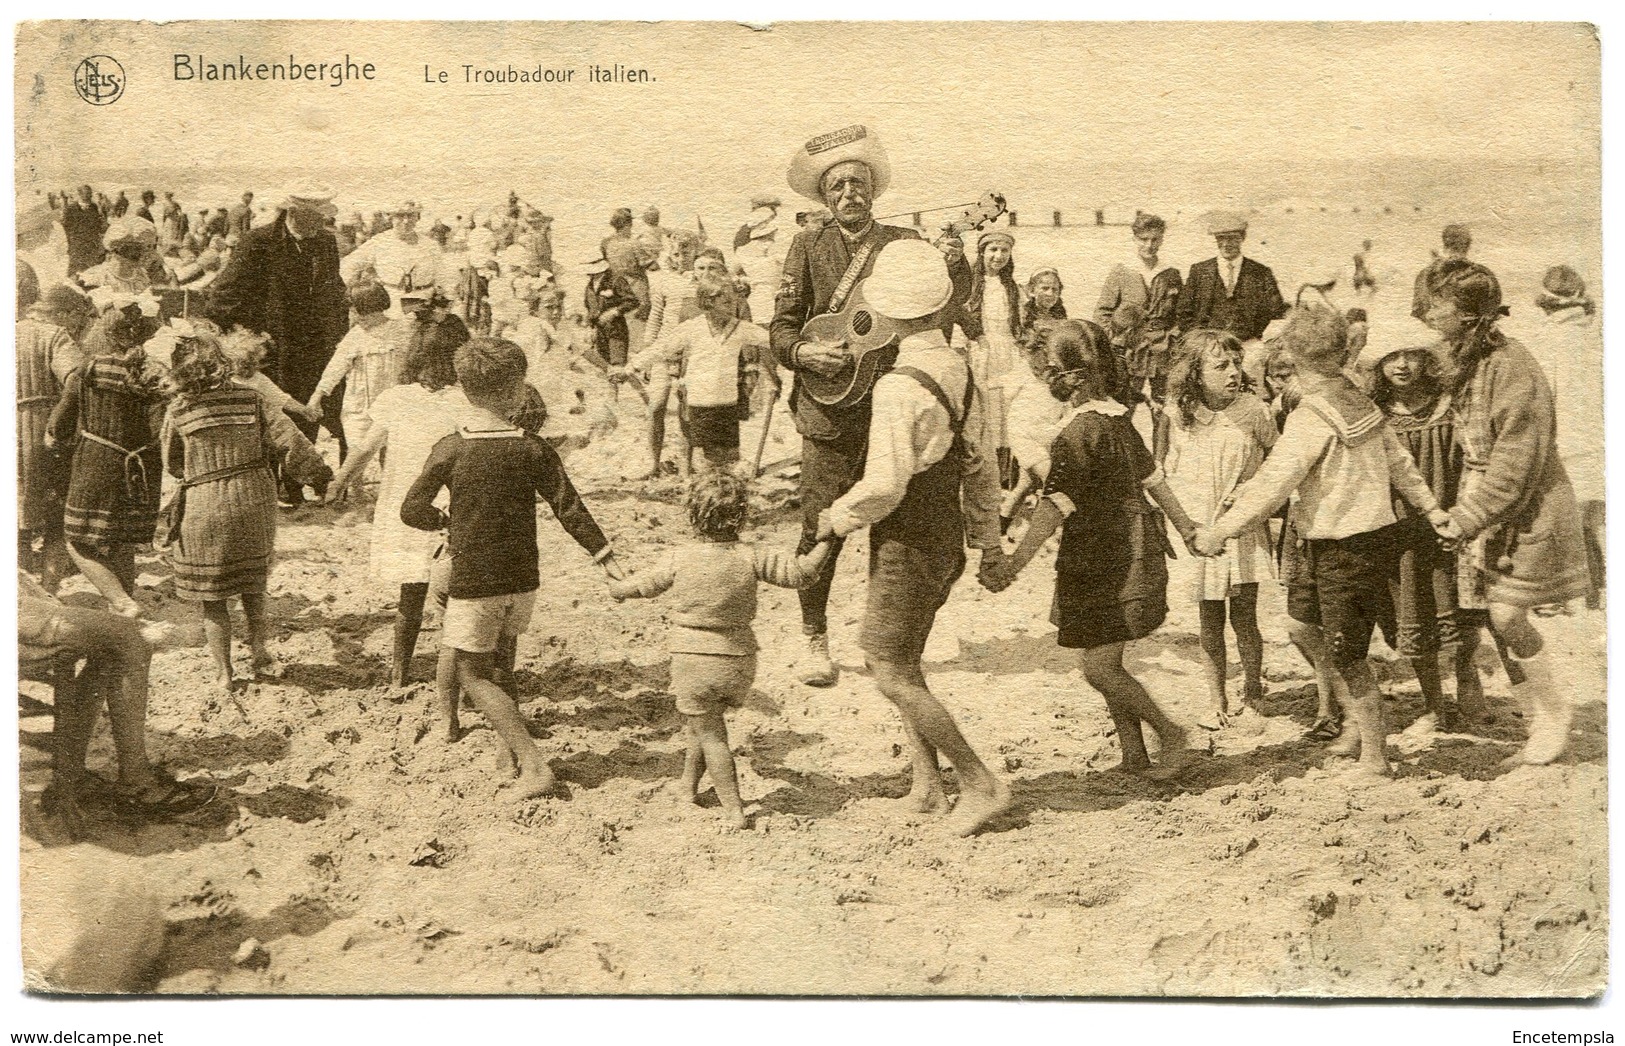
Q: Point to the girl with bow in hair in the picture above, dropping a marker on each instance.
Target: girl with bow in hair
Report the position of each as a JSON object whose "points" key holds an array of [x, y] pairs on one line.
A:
{"points": [[220, 440], [108, 420], [1111, 573], [1515, 513]]}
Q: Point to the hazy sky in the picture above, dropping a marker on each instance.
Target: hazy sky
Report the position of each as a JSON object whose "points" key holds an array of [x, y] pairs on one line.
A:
{"points": [[958, 96]]}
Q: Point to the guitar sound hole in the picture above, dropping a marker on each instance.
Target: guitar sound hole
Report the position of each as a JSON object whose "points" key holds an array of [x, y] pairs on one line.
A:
{"points": [[862, 323]]}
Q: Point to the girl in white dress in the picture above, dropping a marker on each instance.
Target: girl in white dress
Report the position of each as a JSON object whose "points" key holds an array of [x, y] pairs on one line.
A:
{"points": [[996, 358], [1219, 436], [409, 419]]}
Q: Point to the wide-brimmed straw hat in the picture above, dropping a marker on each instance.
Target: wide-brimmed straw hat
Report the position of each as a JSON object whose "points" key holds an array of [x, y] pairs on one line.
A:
{"points": [[595, 265], [1372, 356], [807, 167], [130, 231], [909, 280]]}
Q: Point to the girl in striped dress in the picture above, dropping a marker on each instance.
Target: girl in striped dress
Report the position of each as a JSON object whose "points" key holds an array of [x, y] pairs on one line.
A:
{"points": [[110, 414], [47, 352], [220, 442]]}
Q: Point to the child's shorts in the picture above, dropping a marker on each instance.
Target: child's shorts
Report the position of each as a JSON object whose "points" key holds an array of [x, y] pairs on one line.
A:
{"points": [[475, 626], [1341, 585], [706, 683]]}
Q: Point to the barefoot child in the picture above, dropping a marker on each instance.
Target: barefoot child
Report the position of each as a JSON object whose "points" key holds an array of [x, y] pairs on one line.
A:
{"points": [[47, 352], [1283, 394], [1217, 439], [1434, 615], [1341, 458], [713, 649], [494, 472], [930, 486], [1111, 574], [219, 440]]}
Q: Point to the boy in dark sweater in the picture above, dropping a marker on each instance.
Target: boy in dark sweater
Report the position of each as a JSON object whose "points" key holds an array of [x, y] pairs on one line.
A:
{"points": [[494, 472]]}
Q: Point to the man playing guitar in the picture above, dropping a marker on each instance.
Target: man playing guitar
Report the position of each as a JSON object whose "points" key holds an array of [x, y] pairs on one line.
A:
{"points": [[843, 171]]}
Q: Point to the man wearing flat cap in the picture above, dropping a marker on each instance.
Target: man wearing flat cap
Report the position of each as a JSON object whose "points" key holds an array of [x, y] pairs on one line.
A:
{"points": [[844, 171], [1230, 292], [283, 280]]}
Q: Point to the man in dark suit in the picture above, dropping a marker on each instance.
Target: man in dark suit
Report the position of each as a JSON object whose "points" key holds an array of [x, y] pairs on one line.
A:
{"points": [[283, 280], [844, 171], [1230, 293]]}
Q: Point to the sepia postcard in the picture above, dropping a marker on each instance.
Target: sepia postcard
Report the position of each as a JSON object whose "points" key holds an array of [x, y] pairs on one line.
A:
{"points": [[919, 509]]}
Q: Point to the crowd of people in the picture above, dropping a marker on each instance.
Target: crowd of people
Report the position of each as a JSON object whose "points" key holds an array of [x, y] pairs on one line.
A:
{"points": [[1423, 488]]}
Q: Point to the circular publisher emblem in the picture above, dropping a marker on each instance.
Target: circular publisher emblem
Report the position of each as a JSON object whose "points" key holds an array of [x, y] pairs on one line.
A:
{"points": [[99, 80]]}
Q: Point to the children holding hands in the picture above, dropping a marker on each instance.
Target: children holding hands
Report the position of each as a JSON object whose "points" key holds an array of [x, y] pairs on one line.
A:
{"points": [[1342, 459]]}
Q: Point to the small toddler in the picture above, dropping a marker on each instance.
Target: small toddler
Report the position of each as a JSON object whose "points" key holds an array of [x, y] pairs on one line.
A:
{"points": [[713, 648]]}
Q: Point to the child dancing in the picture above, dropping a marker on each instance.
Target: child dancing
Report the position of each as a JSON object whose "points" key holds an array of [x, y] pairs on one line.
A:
{"points": [[408, 419], [1111, 574], [1217, 439], [110, 414], [1435, 615], [495, 471], [1341, 458], [219, 440], [713, 649]]}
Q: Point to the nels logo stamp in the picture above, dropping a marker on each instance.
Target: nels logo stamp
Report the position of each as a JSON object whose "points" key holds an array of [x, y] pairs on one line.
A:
{"points": [[99, 80]]}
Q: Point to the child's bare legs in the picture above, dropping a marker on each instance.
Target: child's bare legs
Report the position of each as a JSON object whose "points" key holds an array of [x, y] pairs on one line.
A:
{"points": [[710, 733], [982, 796], [446, 692], [474, 676], [408, 623], [657, 428], [1249, 641], [1311, 643], [54, 562], [217, 637], [112, 571], [684, 441], [693, 761], [502, 661], [1129, 704], [1217, 656], [1369, 739], [254, 610]]}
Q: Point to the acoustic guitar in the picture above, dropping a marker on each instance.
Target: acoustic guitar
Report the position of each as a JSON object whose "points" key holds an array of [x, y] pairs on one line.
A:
{"points": [[871, 339]]}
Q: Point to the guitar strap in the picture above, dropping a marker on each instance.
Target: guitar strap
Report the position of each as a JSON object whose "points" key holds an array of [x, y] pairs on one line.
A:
{"points": [[849, 278]]}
